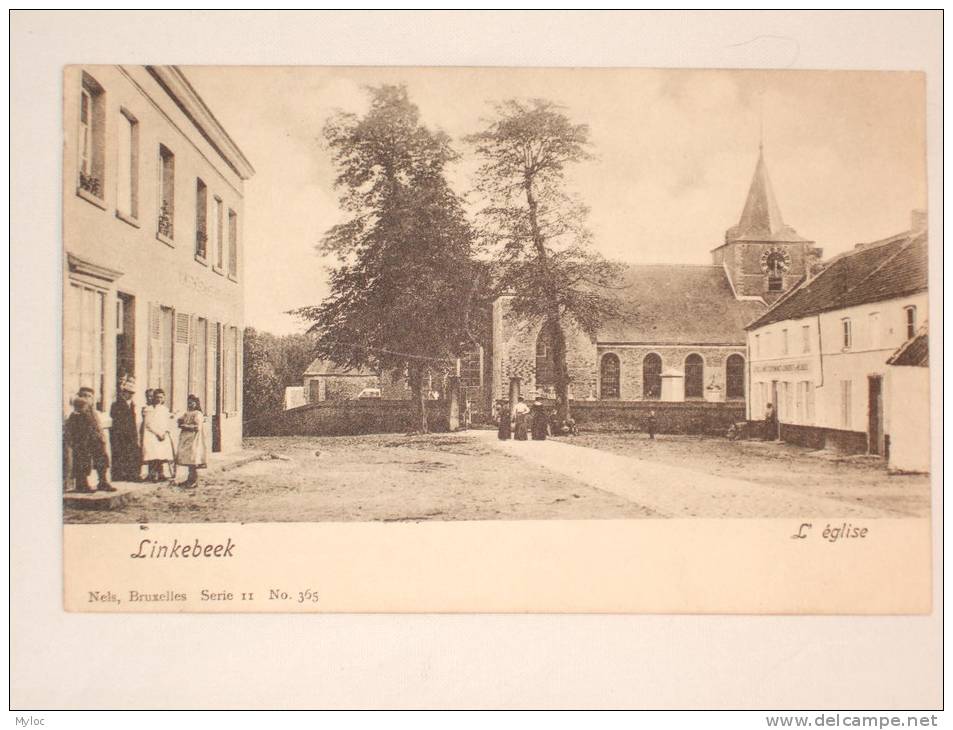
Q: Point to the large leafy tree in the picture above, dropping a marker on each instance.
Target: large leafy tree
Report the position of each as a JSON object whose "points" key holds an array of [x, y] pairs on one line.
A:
{"points": [[537, 229], [399, 292]]}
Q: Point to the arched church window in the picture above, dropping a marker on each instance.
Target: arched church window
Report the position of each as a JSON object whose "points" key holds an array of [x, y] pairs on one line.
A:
{"points": [[735, 376], [652, 377], [694, 376], [545, 364], [609, 376]]}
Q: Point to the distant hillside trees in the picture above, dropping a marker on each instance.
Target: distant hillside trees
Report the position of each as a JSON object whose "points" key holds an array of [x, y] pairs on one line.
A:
{"points": [[271, 364]]}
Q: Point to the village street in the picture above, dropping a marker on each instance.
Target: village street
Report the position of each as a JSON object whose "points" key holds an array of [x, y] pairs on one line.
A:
{"points": [[473, 476]]}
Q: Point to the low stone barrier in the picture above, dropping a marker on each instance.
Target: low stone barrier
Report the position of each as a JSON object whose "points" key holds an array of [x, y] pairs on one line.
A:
{"points": [[348, 418], [688, 417]]}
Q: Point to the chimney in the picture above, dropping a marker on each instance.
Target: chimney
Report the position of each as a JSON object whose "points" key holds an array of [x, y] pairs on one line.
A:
{"points": [[918, 220]]}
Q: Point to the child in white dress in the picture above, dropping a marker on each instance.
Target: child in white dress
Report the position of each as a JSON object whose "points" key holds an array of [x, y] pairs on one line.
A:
{"points": [[156, 438]]}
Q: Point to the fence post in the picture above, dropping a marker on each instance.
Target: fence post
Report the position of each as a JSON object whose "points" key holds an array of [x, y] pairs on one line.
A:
{"points": [[454, 402], [514, 393]]}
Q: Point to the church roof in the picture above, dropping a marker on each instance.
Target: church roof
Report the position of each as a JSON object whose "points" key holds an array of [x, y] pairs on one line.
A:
{"points": [[761, 217], [677, 304], [887, 269]]}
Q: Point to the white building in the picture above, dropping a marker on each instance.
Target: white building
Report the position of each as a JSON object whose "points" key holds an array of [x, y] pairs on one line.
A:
{"points": [[152, 232], [820, 353], [908, 372]]}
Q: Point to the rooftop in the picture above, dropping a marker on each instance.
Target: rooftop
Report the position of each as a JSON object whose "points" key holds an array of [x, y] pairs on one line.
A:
{"points": [[679, 304], [887, 269], [761, 217], [914, 352]]}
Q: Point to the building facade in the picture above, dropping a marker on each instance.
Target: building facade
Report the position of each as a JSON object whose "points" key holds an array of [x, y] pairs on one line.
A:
{"points": [[908, 372], [820, 353], [153, 215], [681, 333], [327, 381]]}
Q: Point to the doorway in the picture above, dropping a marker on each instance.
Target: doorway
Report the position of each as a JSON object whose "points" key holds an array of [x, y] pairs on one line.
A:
{"points": [[875, 415], [215, 384], [125, 337]]}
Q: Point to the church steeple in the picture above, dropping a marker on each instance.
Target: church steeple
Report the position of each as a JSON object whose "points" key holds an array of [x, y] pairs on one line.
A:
{"points": [[761, 217], [762, 255]]}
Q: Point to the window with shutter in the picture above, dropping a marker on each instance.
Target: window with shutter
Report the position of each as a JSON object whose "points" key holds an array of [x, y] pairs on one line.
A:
{"points": [[215, 366], [180, 361], [154, 348]]}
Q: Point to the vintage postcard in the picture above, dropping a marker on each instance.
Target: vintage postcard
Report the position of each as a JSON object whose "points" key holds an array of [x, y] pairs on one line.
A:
{"points": [[495, 340]]}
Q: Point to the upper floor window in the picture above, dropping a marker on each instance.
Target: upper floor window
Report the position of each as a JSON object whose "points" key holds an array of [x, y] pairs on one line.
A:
{"points": [[775, 283], [166, 218], [784, 342], [233, 244], [757, 345], [805, 338], [216, 234], [127, 202], [201, 219], [845, 334], [910, 313], [92, 129]]}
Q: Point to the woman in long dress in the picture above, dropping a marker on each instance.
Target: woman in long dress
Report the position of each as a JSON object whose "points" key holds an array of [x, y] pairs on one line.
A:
{"points": [[156, 439], [539, 421], [520, 414], [503, 431], [192, 448]]}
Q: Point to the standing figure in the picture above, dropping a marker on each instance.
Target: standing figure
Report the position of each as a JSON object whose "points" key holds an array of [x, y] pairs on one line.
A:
{"points": [[650, 424], [539, 421], [142, 428], [124, 435], [520, 414], [504, 428], [770, 423], [79, 442], [156, 440], [99, 456], [192, 447]]}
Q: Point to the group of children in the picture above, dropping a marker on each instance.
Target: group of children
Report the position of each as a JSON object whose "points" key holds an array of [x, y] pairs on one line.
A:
{"points": [[156, 438], [134, 439]]}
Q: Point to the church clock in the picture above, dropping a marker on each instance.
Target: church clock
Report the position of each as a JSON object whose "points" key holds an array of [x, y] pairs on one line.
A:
{"points": [[775, 262]]}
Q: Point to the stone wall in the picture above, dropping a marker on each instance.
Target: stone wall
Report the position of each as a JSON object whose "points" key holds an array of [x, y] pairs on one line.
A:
{"points": [[691, 417], [631, 359], [347, 418], [814, 437], [514, 354]]}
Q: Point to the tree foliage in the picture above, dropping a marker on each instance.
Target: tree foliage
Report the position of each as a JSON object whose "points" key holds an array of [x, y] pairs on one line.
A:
{"points": [[536, 228], [398, 299], [271, 364]]}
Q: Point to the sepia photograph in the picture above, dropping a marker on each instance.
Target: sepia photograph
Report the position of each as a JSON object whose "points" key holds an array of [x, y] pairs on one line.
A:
{"points": [[477, 359], [299, 294]]}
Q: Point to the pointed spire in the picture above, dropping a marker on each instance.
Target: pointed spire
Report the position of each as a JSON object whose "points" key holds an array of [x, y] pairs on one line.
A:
{"points": [[761, 215]]}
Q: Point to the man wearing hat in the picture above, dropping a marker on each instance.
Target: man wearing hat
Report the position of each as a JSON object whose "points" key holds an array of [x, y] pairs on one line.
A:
{"points": [[124, 434]]}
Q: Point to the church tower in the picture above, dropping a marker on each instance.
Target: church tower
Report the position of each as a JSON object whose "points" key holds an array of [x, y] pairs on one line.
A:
{"points": [[762, 256]]}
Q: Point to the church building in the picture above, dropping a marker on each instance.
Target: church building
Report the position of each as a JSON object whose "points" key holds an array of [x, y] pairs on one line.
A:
{"points": [[681, 334]]}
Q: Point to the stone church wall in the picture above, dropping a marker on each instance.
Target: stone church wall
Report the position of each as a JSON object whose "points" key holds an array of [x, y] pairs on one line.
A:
{"points": [[631, 359], [514, 354]]}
